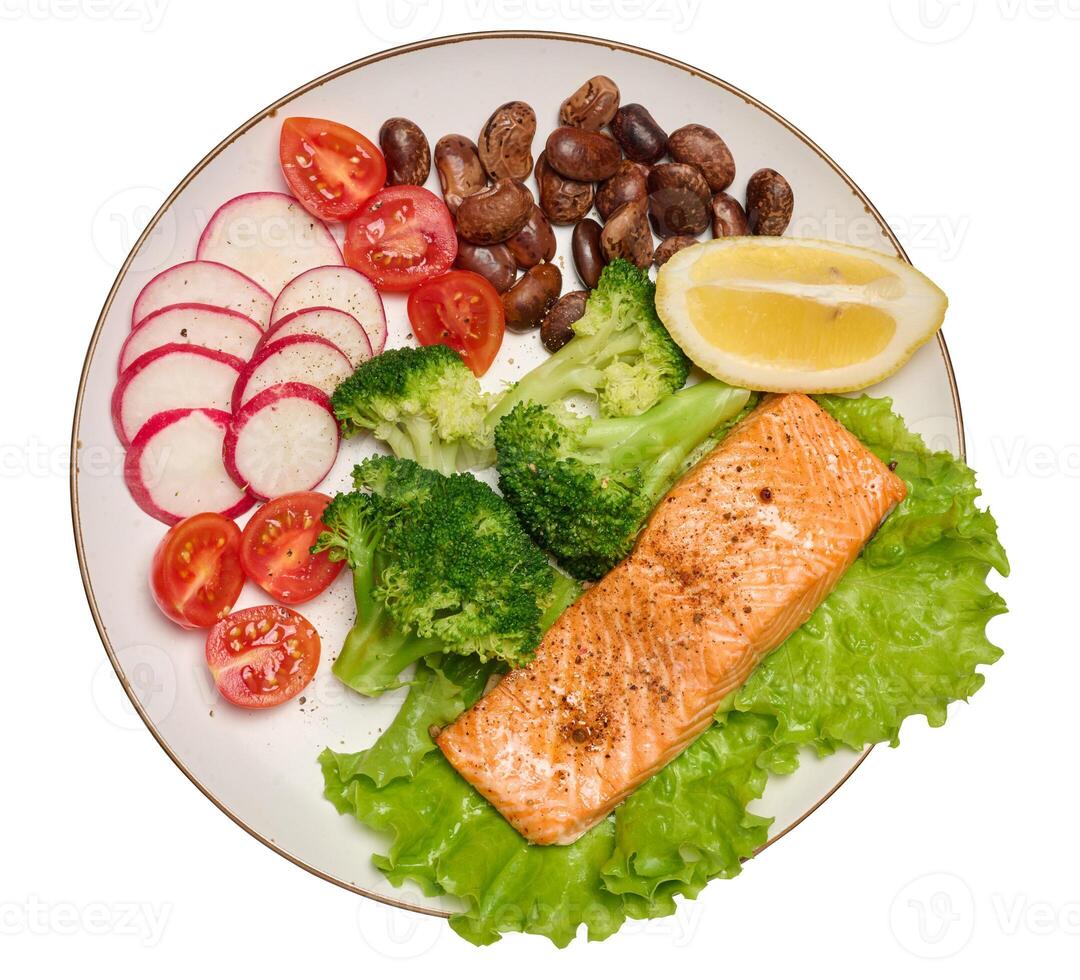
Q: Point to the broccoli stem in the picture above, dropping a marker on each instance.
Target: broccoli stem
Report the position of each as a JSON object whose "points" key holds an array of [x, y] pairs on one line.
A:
{"points": [[416, 439], [565, 593], [376, 650], [565, 373], [400, 443], [659, 440], [425, 444]]}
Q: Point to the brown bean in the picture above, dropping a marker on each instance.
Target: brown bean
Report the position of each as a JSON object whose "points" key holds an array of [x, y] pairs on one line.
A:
{"points": [[496, 213], [639, 135], [557, 328], [588, 254], [407, 151], [627, 236], [494, 262], [669, 246], [581, 154], [527, 302], [769, 203], [593, 105], [728, 217], [628, 183], [460, 171], [535, 243], [564, 201], [703, 148], [506, 141], [679, 200]]}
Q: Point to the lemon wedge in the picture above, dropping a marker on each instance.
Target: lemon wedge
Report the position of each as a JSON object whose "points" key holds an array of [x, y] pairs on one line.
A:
{"points": [[796, 314]]}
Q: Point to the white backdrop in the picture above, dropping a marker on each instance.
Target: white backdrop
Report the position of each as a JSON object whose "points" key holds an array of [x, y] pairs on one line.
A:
{"points": [[957, 119]]}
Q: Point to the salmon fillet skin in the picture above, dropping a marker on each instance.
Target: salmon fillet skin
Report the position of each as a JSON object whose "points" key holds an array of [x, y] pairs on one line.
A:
{"points": [[733, 560]]}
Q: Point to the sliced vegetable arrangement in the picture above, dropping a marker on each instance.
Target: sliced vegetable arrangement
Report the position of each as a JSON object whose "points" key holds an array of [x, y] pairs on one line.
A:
{"points": [[205, 283], [338, 288], [247, 366], [271, 299]]}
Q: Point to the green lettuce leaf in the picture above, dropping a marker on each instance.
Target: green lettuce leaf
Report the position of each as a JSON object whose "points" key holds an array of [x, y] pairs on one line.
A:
{"points": [[690, 823], [448, 840], [905, 630], [902, 634], [441, 689]]}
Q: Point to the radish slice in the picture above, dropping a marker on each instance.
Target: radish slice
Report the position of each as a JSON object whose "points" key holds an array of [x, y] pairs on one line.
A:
{"points": [[173, 376], [269, 237], [336, 326], [192, 323], [284, 440], [310, 360], [175, 466], [339, 287], [204, 282]]}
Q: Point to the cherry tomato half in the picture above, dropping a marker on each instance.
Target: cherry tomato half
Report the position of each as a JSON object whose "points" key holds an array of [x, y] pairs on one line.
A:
{"points": [[196, 574], [401, 237], [331, 168], [263, 656], [275, 548], [463, 311]]}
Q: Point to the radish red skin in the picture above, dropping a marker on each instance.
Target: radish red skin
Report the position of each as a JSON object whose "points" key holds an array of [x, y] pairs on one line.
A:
{"points": [[261, 401], [239, 398], [141, 363], [141, 493], [273, 333], [349, 290], [233, 203], [325, 251], [256, 295], [150, 318]]}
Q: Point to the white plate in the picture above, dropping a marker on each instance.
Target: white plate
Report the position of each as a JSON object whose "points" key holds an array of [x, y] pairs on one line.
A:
{"points": [[259, 767]]}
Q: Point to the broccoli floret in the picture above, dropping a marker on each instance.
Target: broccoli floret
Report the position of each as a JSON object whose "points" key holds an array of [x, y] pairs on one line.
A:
{"points": [[393, 482], [584, 487], [440, 564], [423, 402], [621, 352]]}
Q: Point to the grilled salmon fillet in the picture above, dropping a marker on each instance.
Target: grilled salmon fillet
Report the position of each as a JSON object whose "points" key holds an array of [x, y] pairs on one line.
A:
{"points": [[734, 559]]}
